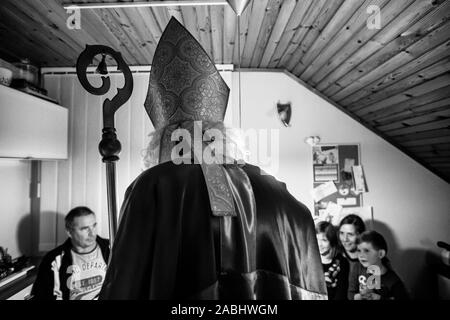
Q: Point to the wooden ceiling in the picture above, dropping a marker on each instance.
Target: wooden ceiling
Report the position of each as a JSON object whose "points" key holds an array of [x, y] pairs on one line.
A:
{"points": [[394, 80]]}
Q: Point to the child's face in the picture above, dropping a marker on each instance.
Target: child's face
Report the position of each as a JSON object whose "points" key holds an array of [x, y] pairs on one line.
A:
{"points": [[368, 255], [324, 244], [348, 235]]}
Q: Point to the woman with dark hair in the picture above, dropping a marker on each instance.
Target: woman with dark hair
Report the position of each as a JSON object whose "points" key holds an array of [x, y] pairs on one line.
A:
{"points": [[375, 279], [349, 230], [335, 266]]}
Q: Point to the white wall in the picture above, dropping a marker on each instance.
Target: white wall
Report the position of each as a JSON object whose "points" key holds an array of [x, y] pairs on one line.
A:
{"points": [[15, 218], [410, 203]]}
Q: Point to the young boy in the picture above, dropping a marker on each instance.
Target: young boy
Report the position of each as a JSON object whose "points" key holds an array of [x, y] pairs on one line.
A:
{"points": [[374, 278]]}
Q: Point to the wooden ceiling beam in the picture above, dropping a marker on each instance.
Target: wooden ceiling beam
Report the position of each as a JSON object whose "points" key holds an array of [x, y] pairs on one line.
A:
{"points": [[429, 58], [294, 22], [434, 154], [409, 105], [443, 113], [204, 29], [313, 33], [9, 54], [426, 109], [217, 14], [99, 31], [414, 92], [255, 22], [437, 159], [363, 43], [415, 129], [427, 74], [143, 34], [31, 30], [405, 56], [133, 30], [307, 23], [435, 148], [287, 7], [115, 23], [360, 75], [48, 17], [190, 21], [267, 25], [112, 4], [337, 22], [21, 49], [439, 166], [229, 34], [148, 19], [92, 23], [354, 24], [430, 22], [427, 141], [418, 136], [397, 17], [162, 17]]}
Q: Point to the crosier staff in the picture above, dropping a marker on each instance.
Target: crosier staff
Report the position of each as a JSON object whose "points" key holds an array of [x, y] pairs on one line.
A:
{"points": [[109, 146]]}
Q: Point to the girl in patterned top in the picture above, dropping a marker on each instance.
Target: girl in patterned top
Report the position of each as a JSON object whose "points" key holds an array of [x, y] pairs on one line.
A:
{"points": [[335, 266]]}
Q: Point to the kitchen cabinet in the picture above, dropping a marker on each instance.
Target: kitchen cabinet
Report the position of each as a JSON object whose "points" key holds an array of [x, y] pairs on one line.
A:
{"points": [[23, 294], [31, 127], [20, 288]]}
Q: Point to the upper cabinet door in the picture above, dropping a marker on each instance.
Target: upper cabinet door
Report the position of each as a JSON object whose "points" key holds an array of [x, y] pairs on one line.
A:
{"points": [[31, 127]]}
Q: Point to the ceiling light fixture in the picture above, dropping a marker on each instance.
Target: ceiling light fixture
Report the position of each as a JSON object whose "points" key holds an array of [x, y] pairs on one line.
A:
{"points": [[110, 5]]}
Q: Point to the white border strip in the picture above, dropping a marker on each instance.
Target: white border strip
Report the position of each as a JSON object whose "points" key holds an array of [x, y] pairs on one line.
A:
{"points": [[93, 5], [134, 69]]}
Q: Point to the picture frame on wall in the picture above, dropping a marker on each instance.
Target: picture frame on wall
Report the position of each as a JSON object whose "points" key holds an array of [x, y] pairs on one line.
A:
{"points": [[326, 163], [335, 164]]}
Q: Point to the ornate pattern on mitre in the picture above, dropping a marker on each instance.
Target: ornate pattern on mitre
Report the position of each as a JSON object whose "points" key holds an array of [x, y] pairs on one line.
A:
{"points": [[184, 82]]}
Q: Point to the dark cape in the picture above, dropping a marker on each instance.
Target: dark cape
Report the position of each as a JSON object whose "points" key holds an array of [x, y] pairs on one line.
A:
{"points": [[170, 246]]}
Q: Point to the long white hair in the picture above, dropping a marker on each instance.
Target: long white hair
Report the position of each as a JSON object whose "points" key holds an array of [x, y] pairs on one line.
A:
{"points": [[233, 142]]}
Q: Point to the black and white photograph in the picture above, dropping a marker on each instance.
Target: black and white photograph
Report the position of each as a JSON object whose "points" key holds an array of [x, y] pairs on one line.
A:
{"points": [[252, 151]]}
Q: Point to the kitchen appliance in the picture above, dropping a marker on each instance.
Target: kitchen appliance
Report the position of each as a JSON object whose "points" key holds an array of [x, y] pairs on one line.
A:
{"points": [[27, 71], [9, 266], [26, 79]]}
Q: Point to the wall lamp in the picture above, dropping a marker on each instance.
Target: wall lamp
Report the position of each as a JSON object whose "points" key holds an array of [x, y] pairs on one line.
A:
{"points": [[312, 140]]}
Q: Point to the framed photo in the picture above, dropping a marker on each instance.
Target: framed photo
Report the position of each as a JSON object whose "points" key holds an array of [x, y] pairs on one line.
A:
{"points": [[326, 163], [336, 163]]}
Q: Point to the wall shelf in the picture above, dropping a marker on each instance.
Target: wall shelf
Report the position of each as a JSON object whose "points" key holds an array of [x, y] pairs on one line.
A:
{"points": [[31, 128]]}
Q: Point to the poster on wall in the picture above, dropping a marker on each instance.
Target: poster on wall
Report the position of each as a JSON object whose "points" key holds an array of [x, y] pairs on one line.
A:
{"points": [[325, 163], [339, 182]]}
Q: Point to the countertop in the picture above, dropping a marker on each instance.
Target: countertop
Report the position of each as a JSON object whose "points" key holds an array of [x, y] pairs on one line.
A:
{"points": [[19, 284]]}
